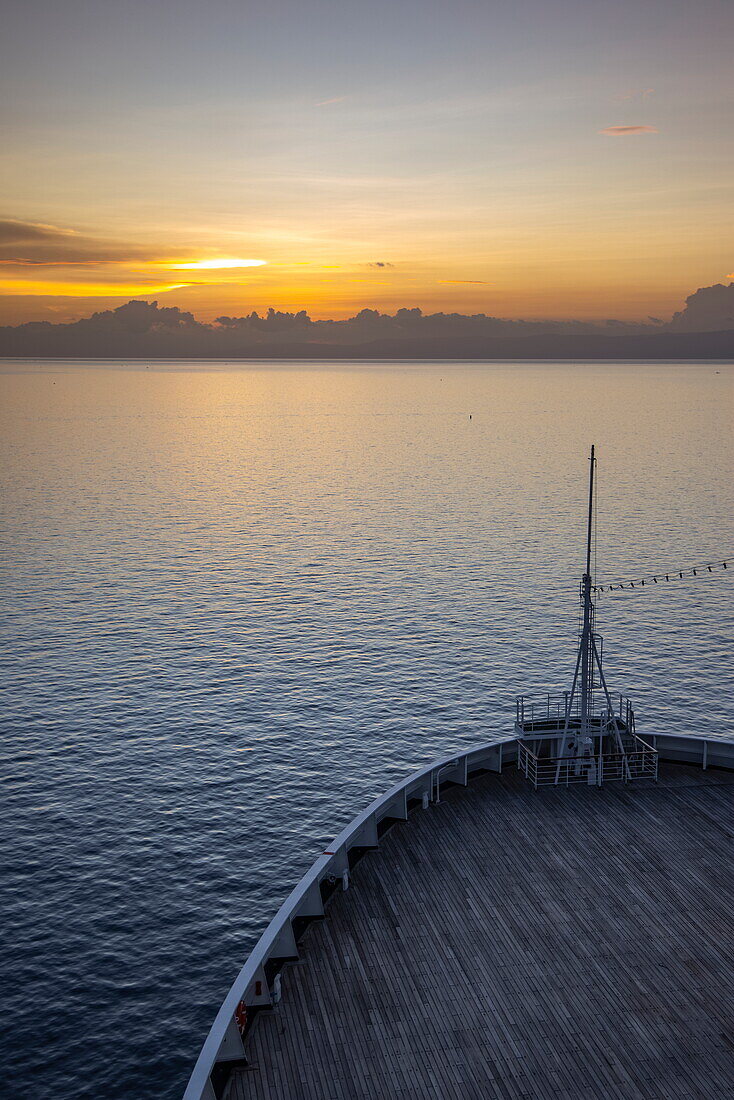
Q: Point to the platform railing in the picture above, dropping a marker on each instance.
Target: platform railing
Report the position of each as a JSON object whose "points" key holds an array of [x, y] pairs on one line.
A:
{"points": [[639, 762], [552, 707]]}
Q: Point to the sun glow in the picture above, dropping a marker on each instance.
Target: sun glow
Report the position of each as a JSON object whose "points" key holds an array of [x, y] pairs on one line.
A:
{"points": [[215, 265]]}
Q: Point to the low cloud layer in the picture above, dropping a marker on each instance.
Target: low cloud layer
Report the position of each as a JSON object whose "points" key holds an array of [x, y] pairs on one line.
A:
{"points": [[139, 329]]}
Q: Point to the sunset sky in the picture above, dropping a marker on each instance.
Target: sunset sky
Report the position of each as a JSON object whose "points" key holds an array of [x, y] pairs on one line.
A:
{"points": [[533, 158]]}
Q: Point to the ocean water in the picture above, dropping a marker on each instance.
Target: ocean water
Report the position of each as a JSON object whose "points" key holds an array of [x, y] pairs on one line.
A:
{"points": [[240, 601]]}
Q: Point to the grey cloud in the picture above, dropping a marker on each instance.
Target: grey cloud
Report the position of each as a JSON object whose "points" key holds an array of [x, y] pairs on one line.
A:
{"points": [[636, 93], [273, 321], [28, 244], [142, 329], [14, 231], [710, 309]]}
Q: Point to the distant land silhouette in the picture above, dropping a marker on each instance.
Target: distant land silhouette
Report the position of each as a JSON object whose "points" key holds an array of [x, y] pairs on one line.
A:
{"points": [[704, 329]]}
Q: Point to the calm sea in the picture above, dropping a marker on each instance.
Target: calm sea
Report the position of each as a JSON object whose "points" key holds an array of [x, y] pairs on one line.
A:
{"points": [[240, 601]]}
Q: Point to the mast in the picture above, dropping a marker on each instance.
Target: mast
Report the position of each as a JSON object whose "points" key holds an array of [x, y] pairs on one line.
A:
{"points": [[587, 666], [583, 744]]}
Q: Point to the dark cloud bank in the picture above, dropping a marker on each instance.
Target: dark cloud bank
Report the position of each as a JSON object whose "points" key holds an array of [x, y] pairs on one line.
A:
{"points": [[703, 330]]}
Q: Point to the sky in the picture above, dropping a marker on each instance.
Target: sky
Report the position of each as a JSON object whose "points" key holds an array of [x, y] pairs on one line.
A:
{"points": [[533, 158]]}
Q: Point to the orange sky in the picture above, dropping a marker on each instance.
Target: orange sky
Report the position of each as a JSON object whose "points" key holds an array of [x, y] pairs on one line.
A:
{"points": [[572, 163]]}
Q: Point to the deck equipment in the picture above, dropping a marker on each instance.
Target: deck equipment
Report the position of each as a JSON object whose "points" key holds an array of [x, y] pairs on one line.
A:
{"points": [[570, 738]]}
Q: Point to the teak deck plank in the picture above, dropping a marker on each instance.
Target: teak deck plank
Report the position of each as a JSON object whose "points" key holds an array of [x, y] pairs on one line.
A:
{"points": [[509, 943]]}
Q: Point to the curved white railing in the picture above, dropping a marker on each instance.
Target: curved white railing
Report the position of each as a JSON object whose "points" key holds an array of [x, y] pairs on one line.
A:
{"points": [[251, 987], [682, 748], [278, 941]]}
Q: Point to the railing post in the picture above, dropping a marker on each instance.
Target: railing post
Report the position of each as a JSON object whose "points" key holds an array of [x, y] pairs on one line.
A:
{"points": [[312, 904], [369, 837], [285, 946], [232, 1046], [437, 773]]}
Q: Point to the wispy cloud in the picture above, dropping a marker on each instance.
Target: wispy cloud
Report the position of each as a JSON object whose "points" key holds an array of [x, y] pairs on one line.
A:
{"points": [[623, 131], [328, 102], [16, 261], [457, 281], [636, 93], [37, 258], [38, 244], [380, 263], [31, 288], [15, 231]]}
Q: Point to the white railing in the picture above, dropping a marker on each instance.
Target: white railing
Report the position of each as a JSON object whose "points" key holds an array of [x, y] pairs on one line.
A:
{"points": [[684, 748], [639, 762], [251, 989], [550, 707]]}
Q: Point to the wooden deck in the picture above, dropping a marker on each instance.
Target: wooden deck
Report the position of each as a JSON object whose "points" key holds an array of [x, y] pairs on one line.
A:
{"points": [[512, 943]]}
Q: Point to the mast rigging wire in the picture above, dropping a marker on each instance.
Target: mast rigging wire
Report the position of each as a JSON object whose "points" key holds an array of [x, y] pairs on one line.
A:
{"points": [[660, 577]]}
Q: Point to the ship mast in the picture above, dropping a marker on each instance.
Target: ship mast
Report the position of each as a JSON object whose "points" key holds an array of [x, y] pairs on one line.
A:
{"points": [[587, 633], [578, 740], [568, 738]]}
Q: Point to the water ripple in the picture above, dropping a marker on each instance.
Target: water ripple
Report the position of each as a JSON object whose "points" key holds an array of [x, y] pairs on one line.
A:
{"points": [[240, 603]]}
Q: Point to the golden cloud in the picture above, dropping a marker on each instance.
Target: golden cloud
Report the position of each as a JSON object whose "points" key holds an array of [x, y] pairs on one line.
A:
{"points": [[29, 287]]}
